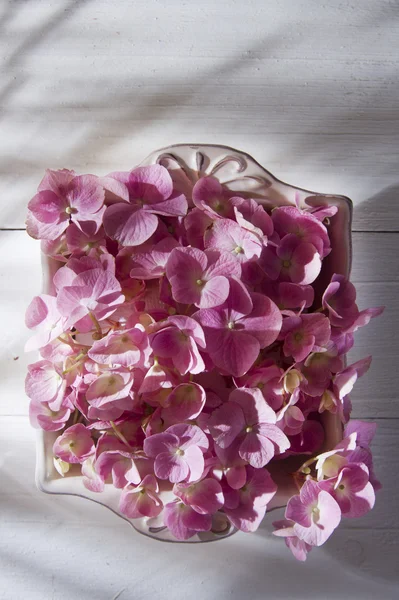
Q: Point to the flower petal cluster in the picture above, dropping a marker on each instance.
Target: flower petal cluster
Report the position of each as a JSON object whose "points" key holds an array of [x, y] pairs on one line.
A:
{"points": [[190, 347]]}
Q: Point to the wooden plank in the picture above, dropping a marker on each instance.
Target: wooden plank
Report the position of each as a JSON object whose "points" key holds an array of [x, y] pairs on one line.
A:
{"points": [[106, 556], [374, 394]]}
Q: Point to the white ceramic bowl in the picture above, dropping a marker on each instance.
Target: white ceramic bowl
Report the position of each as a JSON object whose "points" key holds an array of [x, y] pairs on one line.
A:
{"points": [[241, 173]]}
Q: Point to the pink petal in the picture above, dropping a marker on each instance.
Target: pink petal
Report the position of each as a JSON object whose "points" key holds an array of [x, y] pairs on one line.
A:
{"points": [[253, 405], [86, 194], [184, 522], [184, 403], [48, 208], [256, 450], [298, 512], [175, 206], [129, 225], [225, 423], [171, 466], [189, 435], [237, 354], [151, 184], [205, 497], [160, 442], [213, 293]]}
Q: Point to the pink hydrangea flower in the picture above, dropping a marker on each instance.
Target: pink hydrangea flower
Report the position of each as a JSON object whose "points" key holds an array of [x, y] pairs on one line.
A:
{"points": [[205, 496], [231, 466], [45, 383], [146, 192], [247, 506], [178, 340], [91, 479], [142, 500], [352, 490], [41, 416], [252, 216], [304, 334], [184, 403], [227, 236], [108, 395], [290, 220], [178, 452], [119, 465], [285, 529], [85, 237], [43, 316], [339, 299], [184, 522], [152, 264], [94, 292], [64, 198], [127, 348], [269, 379], [249, 418], [236, 331], [74, 445], [315, 514], [211, 197], [201, 278], [293, 260]]}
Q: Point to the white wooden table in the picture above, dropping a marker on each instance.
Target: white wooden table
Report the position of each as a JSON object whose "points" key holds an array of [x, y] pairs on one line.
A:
{"points": [[310, 88]]}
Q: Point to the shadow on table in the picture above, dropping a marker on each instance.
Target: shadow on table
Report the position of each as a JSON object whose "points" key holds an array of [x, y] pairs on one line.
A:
{"points": [[379, 211]]}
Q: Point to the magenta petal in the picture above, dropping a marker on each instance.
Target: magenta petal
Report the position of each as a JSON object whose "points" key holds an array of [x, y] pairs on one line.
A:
{"points": [[264, 322], [129, 225]]}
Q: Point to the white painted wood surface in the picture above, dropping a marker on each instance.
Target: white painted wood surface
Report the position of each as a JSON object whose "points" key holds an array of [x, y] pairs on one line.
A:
{"points": [[307, 87]]}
